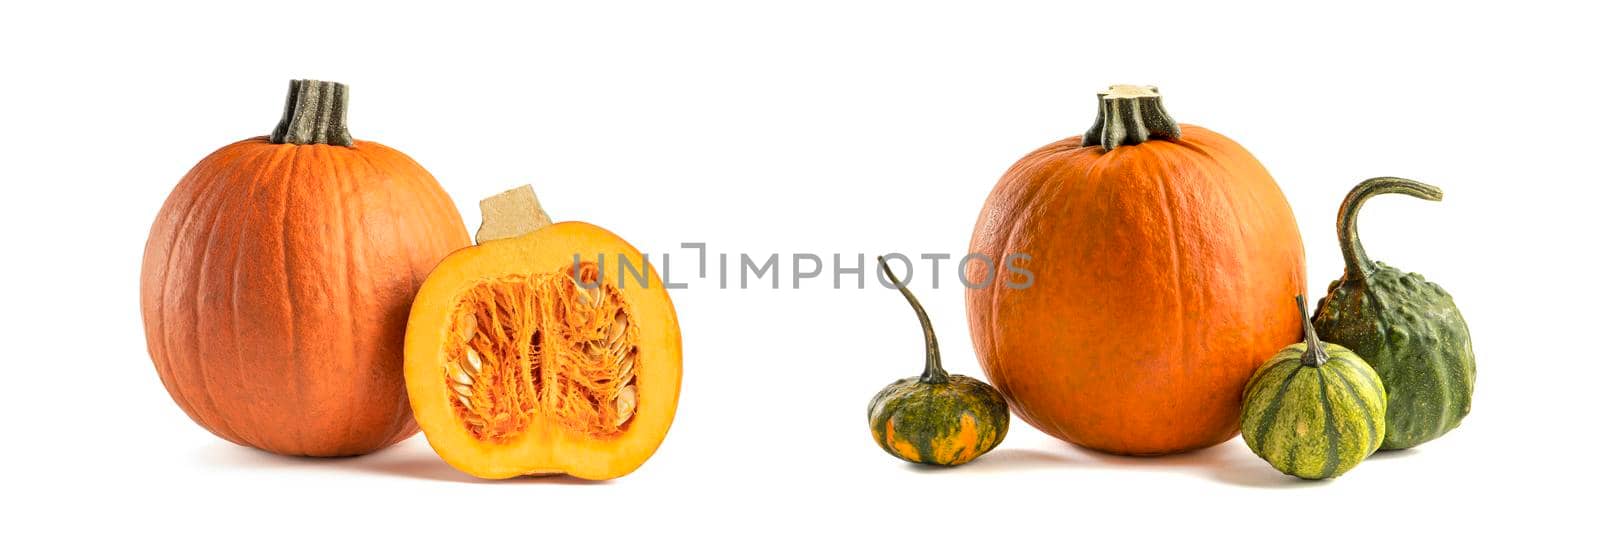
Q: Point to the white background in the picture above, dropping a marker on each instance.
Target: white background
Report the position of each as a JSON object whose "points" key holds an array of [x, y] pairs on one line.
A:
{"points": [[821, 128]]}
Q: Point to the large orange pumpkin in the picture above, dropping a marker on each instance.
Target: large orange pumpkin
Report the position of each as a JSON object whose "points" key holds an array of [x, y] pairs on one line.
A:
{"points": [[1161, 257], [277, 279]]}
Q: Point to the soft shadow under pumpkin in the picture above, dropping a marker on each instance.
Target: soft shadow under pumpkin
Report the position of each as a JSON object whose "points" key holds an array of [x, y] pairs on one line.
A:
{"points": [[1229, 463], [409, 459]]}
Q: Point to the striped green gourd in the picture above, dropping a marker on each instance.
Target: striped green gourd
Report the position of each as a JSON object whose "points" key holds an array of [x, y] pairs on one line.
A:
{"points": [[1407, 328], [937, 418], [1315, 410]]}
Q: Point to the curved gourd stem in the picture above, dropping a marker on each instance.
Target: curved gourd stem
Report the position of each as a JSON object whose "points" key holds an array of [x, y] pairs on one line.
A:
{"points": [[1130, 114], [933, 372], [314, 114], [1356, 263], [1315, 354]]}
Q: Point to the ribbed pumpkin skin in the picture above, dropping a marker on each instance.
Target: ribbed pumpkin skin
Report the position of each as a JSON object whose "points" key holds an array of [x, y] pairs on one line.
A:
{"points": [[1314, 422], [1160, 271], [275, 290]]}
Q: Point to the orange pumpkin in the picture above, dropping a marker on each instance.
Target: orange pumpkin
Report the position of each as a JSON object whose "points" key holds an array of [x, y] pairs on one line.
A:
{"points": [[1161, 257], [277, 278]]}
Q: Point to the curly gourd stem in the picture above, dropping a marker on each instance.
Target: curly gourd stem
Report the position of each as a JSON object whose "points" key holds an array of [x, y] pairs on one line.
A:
{"points": [[933, 372], [314, 114], [1315, 354], [1356, 263], [1129, 115]]}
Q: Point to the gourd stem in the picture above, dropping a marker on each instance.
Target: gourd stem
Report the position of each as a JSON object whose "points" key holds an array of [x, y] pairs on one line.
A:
{"points": [[933, 372], [1315, 354], [1356, 263], [314, 114], [1128, 115]]}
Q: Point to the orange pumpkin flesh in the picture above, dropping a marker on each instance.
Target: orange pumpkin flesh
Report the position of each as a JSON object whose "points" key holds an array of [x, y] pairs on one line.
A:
{"points": [[1160, 267], [276, 281], [514, 368]]}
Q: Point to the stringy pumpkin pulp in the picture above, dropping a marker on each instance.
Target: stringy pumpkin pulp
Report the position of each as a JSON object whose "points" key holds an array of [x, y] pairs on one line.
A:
{"points": [[542, 344]]}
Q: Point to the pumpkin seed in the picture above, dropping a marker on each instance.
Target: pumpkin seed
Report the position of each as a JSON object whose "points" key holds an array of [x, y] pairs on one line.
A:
{"points": [[474, 360], [626, 370], [627, 400], [619, 325], [594, 351], [469, 328], [465, 402], [589, 296], [462, 389], [454, 372]]}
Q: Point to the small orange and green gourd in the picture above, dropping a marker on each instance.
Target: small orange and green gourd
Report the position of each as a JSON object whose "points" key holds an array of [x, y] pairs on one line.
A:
{"points": [[937, 418], [1315, 410]]}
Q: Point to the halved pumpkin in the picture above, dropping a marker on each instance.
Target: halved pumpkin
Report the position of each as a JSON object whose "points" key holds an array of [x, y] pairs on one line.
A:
{"points": [[546, 348]]}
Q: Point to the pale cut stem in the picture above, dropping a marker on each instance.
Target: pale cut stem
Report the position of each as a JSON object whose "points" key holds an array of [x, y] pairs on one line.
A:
{"points": [[1129, 115], [511, 214]]}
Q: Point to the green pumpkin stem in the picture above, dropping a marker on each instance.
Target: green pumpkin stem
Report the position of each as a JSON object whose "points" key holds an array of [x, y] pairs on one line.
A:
{"points": [[1315, 354], [314, 114], [1356, 263], [934, 372], [1128, 115]]}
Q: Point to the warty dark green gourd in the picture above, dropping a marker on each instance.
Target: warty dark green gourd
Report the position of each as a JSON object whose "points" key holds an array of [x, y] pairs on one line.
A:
{"points": [[1407, 328]]}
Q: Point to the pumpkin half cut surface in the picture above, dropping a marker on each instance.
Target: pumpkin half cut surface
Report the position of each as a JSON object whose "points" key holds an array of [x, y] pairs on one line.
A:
{"points": [[522, 360]]}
